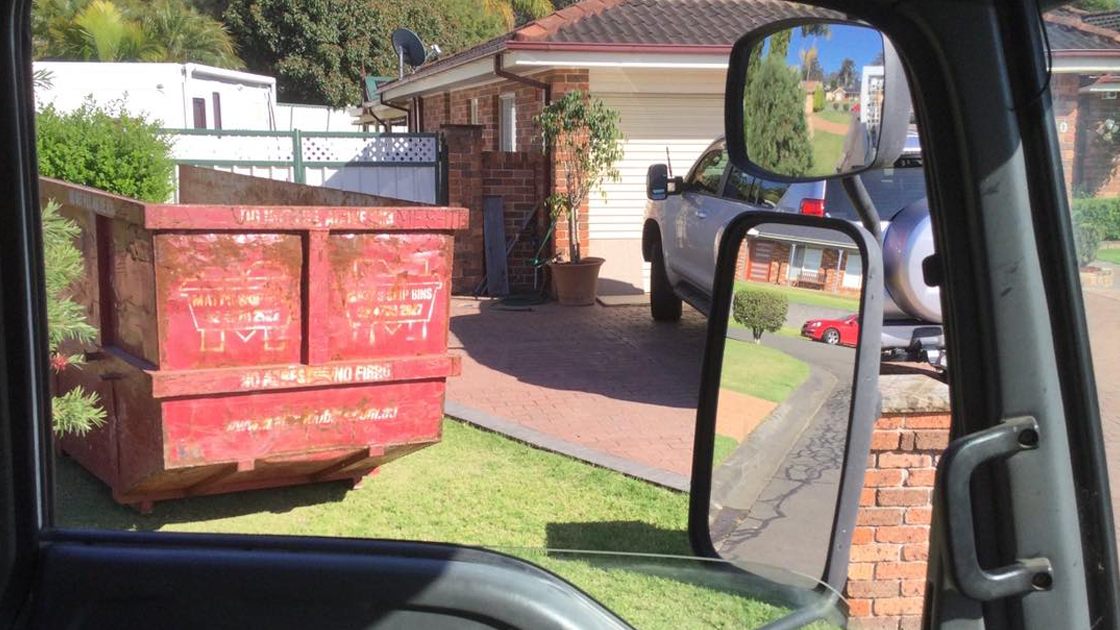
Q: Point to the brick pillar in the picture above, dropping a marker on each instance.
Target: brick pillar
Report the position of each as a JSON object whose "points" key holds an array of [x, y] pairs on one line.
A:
{"points": [[464, 188], [890, 544]]}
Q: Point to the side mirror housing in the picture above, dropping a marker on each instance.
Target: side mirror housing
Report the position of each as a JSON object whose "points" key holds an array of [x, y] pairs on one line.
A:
{"points": [[791, 116], [657, 182]]}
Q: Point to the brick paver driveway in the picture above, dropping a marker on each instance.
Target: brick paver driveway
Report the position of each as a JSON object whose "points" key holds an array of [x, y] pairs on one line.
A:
{"points": [[609, 379]]}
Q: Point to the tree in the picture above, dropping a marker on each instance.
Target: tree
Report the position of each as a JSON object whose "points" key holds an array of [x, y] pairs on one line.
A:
{"points": [[129, 30], [320, 50], [818, 98], [810, 65], [846, 75], [777, 134], [586, 142], [186, 35], [75, 411], [761, 311]]}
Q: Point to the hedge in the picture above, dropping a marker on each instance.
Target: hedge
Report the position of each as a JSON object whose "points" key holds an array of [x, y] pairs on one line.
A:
{"points": [[1104, 213], [106, 148]]}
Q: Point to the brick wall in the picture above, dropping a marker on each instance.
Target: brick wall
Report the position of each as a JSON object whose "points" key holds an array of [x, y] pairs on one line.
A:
{"points": [[518, 178], [1089, 164], [890, 544], [464, 188], [779, 268]]}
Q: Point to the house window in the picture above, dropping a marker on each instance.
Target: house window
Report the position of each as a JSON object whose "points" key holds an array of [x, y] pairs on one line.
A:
{"points": [[199, 105], [853, 272], [805, 264], [474, 111], [217, 100], [507, 124]]}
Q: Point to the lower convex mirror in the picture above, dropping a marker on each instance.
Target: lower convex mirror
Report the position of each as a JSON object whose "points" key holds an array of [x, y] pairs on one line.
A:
{"points": [[783, 417]]}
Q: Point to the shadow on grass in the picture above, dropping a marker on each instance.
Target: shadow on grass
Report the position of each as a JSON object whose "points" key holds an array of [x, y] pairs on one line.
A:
{"points": [[83, 501], [626, 536]]}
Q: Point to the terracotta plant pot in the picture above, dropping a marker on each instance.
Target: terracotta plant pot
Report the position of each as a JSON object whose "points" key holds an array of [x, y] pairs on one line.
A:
{"points": [[577, 283]]}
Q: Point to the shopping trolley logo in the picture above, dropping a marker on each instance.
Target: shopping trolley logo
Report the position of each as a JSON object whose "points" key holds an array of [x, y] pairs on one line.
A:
{"points": [[242, 304], [389, 307]]}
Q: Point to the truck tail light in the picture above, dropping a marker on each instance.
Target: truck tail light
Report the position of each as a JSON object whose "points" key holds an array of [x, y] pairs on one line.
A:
{"points": [[814, 207]]}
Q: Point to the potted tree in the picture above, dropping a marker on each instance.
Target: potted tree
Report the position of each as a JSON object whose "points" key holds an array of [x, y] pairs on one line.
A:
{"points": [[583, 134]]}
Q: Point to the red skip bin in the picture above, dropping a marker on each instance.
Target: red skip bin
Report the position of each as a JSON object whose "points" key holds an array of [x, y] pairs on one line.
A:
{"points": [[255, 346]]}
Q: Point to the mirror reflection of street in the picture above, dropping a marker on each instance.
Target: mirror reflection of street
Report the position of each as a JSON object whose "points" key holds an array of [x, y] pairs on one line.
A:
{"points": [[774, 497]]}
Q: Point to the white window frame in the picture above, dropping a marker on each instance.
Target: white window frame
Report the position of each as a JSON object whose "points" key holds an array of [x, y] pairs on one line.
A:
{"points": [[852, 280], [507, 122], [474, 111]]}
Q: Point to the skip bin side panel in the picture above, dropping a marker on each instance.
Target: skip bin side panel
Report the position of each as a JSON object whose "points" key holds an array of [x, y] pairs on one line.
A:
{"points": [[244, 428], [131, 317], [228, 299], [388, 294]]}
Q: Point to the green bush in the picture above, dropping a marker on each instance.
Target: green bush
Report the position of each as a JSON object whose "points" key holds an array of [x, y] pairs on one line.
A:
{"points": [[847, 106], [818, 99], [106, 148], [1104, 213], [1086, 241], [761, 311]]}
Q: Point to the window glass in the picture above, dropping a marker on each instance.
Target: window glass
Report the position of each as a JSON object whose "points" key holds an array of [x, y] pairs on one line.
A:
{"points": [[770, 193], [709, 172], [890, 189], [740, 186], [508, 124]]}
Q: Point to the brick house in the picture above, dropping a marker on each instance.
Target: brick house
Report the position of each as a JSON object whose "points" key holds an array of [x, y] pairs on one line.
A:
{"points": [[804, 257], [662, 65]]}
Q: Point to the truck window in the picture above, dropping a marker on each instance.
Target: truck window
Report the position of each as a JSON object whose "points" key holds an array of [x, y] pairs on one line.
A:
{"points": [[740, 186], [708, 172], [891, 189], [770, 193]]}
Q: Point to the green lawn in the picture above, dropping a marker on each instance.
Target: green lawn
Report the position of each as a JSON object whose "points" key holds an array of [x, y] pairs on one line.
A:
{"points": [[756, 370], [723, 447], [827, 148], [474, 488], [836, 116], [805, 296], [1109, 255]]}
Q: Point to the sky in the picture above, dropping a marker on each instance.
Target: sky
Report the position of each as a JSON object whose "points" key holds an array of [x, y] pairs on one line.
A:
{"points": [[858, 43]]}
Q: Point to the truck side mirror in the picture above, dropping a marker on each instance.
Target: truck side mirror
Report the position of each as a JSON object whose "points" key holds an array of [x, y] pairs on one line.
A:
{"points": [[657, 182], [845, 113], [659, 185]]}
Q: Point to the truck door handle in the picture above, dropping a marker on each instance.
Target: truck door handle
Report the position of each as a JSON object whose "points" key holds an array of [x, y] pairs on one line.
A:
{"points": [[960, 460], [700, 214]]}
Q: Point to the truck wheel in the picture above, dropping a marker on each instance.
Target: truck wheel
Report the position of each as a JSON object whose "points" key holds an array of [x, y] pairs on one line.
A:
{"points": [[831, 337], [664, 305]]}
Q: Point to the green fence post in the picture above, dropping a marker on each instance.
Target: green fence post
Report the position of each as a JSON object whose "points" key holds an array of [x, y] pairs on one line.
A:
{"points": [[297, 157]]}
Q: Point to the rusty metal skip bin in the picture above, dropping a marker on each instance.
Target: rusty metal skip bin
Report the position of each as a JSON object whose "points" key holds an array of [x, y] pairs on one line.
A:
{"points": [[247, 347]]}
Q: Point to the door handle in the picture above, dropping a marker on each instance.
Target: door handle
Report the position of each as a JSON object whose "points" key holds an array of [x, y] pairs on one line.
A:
{"points": [[960, 460], [700, 214]]}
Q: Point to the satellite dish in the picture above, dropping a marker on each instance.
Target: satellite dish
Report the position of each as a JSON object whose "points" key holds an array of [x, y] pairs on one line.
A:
{"points": [[409, 48]]}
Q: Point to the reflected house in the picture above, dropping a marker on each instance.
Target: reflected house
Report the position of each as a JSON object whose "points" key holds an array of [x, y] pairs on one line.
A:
{"points": [[803, 257]]}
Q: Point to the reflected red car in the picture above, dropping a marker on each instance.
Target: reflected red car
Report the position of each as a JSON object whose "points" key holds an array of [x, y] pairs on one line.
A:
{"points": [[844, 331]]}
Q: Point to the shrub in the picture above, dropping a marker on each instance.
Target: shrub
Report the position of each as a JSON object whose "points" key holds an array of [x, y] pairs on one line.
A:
{"points": [[818, 99], [74, 411], [847, 106], [1086, 241], [761, 311], [106, 148], [1104, 213]]}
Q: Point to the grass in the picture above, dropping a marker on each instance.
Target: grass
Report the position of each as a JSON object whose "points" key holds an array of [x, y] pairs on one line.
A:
{"points": [[827, 148], [805, 296], [1109, 255], [836, 116], [723, 447], [474, 488], [756, 370]]}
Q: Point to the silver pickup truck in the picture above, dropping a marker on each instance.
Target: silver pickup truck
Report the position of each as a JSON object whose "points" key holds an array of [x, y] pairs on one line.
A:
{"points": [[682, 230]]}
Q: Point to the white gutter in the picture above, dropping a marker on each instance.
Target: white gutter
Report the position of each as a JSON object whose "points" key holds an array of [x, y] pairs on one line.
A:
{"points": [[1087, 64], [579, 59]]}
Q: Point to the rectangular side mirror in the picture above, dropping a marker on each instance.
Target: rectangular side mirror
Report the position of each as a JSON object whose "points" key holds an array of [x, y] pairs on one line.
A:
{"points": [[657, 182], [789, 395]]}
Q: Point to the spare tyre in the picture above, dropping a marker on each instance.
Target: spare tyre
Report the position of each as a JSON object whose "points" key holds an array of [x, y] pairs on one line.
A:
{"points": [[907, 242]]}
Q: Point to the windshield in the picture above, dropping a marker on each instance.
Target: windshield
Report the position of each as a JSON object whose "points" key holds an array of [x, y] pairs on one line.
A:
{"points": [[890, 189]]}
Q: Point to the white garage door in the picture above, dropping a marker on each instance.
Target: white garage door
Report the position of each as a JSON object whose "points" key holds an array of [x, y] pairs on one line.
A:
{"points": [[685, 125]]}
